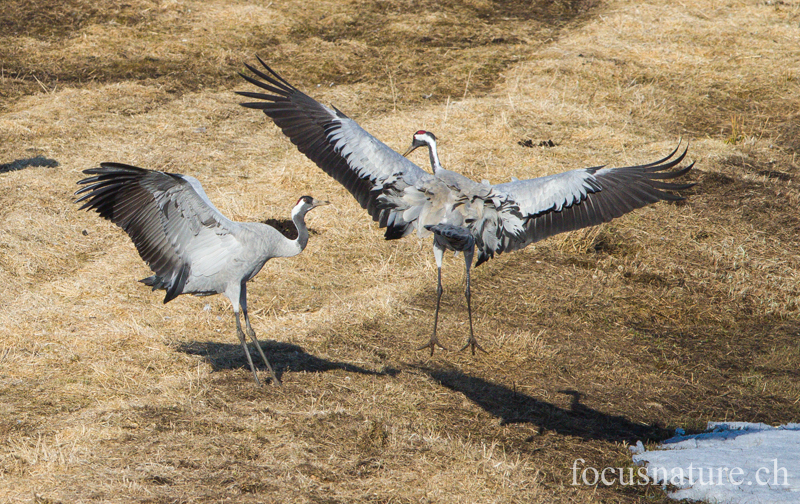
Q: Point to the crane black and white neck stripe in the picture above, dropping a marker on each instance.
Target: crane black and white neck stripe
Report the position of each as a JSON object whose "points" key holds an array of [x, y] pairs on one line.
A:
{"points": [[424, 138]]}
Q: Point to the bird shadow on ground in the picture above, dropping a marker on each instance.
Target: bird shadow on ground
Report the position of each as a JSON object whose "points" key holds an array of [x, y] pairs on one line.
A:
{"points": [[287, 227], [284, 357], [511, 407], [21, 164]]}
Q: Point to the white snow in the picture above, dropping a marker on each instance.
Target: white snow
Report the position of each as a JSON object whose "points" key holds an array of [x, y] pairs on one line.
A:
{"points": [[733, 462]]}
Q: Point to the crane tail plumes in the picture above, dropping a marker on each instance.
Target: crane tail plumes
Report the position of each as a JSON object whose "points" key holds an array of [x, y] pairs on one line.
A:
{"points": [[456, 237], [174, 286]]}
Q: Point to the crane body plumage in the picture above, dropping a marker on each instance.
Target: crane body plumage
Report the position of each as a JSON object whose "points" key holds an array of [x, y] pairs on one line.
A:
{"points": [[190, 246], [404, 198]]}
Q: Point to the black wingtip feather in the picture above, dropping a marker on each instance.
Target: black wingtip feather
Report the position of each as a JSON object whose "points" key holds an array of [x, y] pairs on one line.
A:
{"points": [[308, 125], [178, 282], [395, 232], [280, 83], [273, 72], [665, 163], [664, 175]]}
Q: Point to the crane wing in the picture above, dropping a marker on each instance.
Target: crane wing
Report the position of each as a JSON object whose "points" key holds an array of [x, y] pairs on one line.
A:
{"points": [[169, 218], [337, 144], [587, 197]]}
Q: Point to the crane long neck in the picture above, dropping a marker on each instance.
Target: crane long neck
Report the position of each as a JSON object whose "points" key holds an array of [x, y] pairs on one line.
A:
{"points": [[299, 219], [435, 164], [284, 247]]}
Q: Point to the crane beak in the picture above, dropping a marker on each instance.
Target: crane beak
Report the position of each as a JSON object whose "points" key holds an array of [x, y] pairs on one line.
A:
{"points": [[315, 203], [410, 150]]}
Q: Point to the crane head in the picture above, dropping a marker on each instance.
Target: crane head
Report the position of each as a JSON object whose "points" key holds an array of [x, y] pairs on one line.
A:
{"points": [[421, 138], [306, 203]]}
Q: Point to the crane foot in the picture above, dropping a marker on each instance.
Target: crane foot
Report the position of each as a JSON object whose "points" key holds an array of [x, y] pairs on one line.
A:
{"points": [[432, 344], [473, 342]]}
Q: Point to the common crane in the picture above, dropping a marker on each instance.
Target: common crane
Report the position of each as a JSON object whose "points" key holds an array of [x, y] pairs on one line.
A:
{"points": [[461, 214], [190, 246]]}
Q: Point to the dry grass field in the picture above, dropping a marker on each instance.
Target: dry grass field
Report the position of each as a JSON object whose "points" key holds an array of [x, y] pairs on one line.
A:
{"points": [[669, 317]]}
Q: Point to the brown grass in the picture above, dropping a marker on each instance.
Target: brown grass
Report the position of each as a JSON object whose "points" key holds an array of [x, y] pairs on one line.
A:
{"points": [[670, 317]]}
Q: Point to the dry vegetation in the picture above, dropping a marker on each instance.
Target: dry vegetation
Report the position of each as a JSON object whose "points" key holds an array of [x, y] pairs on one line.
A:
{"points": [[670, 317]]}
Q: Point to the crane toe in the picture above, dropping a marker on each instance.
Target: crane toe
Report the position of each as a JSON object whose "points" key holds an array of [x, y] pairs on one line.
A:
{"points": [[473, 342], [432, 344]]}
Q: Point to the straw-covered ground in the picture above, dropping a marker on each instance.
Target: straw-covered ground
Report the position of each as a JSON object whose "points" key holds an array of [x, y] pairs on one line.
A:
{"points": [[669, 317]]}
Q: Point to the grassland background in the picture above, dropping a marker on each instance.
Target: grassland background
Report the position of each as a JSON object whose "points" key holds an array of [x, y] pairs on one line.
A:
{"points": [[670, 317]]}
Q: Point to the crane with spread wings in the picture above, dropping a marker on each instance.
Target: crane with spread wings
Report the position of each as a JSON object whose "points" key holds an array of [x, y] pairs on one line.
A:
{"points": [[461, 214]]}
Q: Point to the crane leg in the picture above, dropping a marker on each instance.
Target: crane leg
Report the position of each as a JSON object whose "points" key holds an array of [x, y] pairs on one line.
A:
{"points": [[252, 334], [244, 346], [434, 341], [472, 341]]}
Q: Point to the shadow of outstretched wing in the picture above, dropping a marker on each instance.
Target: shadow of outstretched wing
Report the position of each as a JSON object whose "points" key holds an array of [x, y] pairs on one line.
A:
{"points": [[284, 357], [511, 406]]}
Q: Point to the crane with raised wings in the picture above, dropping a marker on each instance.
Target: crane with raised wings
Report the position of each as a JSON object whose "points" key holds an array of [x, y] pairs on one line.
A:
{"points": [[461, 214], [190, 245]]}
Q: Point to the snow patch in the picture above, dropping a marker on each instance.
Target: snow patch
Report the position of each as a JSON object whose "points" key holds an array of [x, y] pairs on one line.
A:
{"points": [[731, 463]]}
